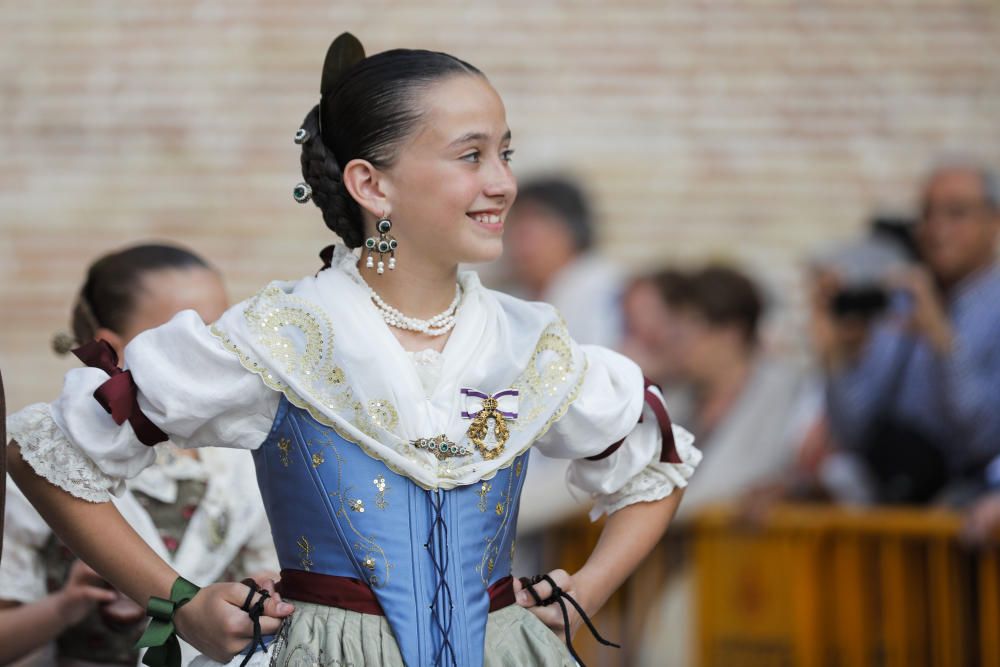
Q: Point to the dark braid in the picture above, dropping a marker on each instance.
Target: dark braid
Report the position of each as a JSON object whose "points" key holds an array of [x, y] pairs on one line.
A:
{"points": [[321, 171]]}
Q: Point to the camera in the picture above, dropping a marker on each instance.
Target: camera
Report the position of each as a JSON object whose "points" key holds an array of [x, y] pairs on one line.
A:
{"points": [[863, 267]]}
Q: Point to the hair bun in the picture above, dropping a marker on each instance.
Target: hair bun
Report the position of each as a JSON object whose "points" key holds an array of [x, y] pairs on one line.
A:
{"points": [[63, 343], [344, 53]]}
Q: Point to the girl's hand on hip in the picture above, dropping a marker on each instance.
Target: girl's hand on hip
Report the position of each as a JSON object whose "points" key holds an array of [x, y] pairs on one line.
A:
{"points": [[551, 615], [214, 623]]}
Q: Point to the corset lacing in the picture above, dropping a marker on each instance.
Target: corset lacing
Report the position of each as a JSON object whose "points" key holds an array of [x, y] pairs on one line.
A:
{"points": [[442, 606]]}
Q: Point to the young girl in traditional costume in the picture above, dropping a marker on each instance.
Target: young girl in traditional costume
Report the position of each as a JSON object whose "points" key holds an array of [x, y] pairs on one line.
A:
{"points": [[391, 403], [198, 509]]}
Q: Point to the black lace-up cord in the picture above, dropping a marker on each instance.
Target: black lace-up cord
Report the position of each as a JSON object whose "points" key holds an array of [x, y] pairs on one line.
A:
{"points": [[254, 612], [437, 541], [559, 596]]}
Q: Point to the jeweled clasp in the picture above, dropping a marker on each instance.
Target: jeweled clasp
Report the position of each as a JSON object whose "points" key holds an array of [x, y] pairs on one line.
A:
{"points": [[441, 447]]}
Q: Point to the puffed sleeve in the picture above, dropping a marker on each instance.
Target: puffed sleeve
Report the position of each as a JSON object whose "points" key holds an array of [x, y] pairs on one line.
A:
{"points": [[615, 431], [188, 385]]}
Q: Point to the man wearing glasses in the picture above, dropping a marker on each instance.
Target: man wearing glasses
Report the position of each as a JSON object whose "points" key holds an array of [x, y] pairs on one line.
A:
{"points": [[917, 394]]}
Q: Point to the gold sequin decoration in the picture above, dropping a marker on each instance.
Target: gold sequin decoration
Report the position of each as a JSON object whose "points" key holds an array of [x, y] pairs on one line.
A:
{"points": [[550, 367], [381, 486], [483, 490], [368, 551], [517, 468], [299, 336], [305, 553], [284, 445], [492, 551], [317, 459], [383, 414], [335, 375]]}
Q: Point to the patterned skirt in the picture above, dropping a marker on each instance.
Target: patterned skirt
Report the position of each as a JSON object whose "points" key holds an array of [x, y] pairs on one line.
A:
{"points": [[321, 636]]}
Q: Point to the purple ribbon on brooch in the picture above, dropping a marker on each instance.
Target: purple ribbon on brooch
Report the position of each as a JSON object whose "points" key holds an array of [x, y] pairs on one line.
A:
{"points": [[483, 396]]}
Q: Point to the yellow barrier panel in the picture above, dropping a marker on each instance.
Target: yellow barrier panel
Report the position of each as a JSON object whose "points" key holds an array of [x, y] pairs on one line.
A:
{"points": [[812, 586], [830, 587]]}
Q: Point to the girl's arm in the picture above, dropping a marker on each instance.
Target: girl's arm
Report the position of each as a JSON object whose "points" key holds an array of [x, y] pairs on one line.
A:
{"points": [[632, 461], [97, 533], [629, 535]]}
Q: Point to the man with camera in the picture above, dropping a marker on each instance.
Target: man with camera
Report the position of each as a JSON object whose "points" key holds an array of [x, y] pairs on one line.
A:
{"points": [[914, 391]]}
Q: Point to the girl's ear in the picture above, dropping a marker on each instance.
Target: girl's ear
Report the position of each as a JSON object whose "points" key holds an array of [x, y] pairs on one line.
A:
{"points": [[367, 186], [115, 341]]}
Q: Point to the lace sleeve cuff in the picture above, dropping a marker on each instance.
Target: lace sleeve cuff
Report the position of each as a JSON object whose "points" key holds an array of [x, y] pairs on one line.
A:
{"points": [[50, 454], [654, 482]]}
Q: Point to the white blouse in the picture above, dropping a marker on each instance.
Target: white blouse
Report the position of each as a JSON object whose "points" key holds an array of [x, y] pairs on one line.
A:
{"points": [[321, 343]]}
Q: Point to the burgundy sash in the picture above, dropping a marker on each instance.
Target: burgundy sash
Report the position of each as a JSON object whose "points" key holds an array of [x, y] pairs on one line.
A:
{"points": [[355, 595]]}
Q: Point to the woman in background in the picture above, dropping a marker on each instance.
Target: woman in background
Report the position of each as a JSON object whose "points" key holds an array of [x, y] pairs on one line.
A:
{"points": [[751, 411]]}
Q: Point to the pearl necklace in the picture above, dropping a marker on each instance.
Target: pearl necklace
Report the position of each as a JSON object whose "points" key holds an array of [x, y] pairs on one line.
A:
{"points": [[438, 325]]}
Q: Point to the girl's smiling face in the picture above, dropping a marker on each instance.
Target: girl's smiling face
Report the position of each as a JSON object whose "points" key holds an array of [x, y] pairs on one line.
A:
{"points": [[450, 185]]}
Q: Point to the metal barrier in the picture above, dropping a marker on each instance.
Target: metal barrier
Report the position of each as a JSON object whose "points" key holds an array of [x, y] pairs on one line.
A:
{"points": [[811, 586], [829, 587]]}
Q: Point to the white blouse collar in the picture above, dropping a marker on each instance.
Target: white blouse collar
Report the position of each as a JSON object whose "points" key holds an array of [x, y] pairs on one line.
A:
{"points": [[322, 343]]}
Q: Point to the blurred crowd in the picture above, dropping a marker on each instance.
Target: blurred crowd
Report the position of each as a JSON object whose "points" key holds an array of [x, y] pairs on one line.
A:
{"points": [[898, 402]]}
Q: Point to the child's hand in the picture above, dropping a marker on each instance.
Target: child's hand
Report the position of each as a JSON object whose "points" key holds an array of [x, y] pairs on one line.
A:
{"points": [[982, 521], [83, 590], [123, 611], [213, 622], [551, 615]]}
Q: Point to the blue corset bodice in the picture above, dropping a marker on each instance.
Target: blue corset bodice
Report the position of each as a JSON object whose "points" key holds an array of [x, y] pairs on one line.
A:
{"points": [[428, 555]]}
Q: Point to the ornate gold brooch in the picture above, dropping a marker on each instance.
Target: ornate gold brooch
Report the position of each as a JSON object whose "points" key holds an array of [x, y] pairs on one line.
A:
{"points": [[480, 426]]}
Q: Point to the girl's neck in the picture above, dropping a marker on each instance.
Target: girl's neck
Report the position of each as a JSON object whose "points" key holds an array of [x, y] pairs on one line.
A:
{"points": [[418, 290]]}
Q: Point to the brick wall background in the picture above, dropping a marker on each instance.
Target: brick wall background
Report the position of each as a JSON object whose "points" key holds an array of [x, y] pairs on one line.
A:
{"points": [[752, 131]]}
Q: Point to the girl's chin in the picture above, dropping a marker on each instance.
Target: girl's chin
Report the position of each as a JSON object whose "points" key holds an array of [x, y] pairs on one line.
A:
{"points": [[483, 252], [467, 251]]}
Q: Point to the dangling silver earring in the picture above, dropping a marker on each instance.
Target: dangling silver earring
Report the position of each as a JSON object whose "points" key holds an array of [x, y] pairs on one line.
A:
{"points": [[384, 245], [302, 193]]}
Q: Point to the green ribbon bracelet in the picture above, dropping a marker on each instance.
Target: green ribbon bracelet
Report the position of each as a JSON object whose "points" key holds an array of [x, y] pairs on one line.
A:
{"points": [[160, 636]]}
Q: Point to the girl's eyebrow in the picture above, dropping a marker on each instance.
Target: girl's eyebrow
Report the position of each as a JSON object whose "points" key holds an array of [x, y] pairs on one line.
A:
{"points": [[476, 136]]}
